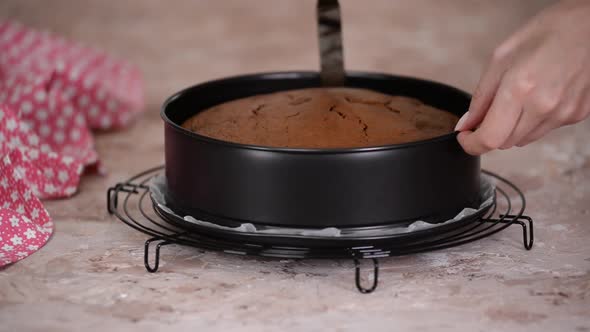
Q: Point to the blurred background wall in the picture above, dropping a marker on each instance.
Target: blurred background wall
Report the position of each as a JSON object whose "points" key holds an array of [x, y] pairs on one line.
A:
{"points": [[180, 42]]}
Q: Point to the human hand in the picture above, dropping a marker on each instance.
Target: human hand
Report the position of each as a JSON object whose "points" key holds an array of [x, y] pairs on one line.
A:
{"points": [[537, 80]]}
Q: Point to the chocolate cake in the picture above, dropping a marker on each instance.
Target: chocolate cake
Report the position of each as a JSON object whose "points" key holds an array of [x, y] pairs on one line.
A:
{"points": [[322, 118]]}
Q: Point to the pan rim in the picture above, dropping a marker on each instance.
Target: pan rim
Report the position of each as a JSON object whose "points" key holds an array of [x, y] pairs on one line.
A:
{"points": [[304, 74]]}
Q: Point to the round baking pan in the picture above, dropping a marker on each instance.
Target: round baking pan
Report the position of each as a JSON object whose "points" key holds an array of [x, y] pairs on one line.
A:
{"points": [[231, 183], [352, 236]]}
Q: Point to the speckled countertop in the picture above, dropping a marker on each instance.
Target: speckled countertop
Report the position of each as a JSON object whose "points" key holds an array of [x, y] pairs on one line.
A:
{"points": [[90, 277]]}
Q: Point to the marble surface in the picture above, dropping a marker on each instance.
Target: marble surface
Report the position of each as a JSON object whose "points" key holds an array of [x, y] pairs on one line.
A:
{"points": [[90, 277]]}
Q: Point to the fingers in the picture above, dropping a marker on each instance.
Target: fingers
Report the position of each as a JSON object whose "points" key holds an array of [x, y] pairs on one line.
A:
{"points": [[550, 123], [544, 113], [528, 122], [483, 96], [537, 133], [498, 123]]}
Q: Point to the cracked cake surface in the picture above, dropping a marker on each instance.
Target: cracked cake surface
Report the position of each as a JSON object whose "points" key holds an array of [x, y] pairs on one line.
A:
{"points": [[322, 118]]}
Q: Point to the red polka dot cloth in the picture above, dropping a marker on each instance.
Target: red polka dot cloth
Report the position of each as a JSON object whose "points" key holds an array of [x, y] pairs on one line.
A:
{"points": [[52, 94]]}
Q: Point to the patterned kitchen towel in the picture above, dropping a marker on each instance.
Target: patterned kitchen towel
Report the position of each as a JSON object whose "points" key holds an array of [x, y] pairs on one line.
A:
{"points": [[52, 93]]}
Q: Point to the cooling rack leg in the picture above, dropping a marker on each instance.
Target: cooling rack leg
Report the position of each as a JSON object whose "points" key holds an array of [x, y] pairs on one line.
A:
{"points": [[110, 196], [528, 244], [528, 235], [357, 276], [157, 258]]}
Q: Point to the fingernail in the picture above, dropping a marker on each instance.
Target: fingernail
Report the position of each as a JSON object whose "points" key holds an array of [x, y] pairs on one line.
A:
{"points": [[462, 121]]}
